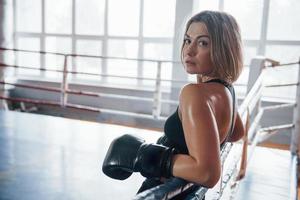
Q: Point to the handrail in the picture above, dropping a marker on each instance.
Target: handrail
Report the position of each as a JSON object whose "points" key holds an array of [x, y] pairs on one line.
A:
{"points": [[88, 56], [51, 103], [91, 74], [85, 93]]}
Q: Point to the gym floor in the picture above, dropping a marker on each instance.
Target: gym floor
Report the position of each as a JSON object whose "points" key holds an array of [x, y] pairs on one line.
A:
{"points": [[45, 157]]}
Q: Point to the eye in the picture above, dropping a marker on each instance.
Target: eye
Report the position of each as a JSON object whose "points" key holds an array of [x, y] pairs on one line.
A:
{"points": [[186, 41], [202, 43]]}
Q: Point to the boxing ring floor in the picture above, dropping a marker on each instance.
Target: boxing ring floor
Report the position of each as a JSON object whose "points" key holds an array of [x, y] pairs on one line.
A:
{"points": [[46, 157]]}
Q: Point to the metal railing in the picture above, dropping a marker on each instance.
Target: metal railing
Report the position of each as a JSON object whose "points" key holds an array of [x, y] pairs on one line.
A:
{"points": [[64, 90]]}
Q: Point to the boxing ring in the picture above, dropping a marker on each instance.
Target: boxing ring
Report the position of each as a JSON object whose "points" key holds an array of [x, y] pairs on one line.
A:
{"points": [[64, 90], [241, 162]]}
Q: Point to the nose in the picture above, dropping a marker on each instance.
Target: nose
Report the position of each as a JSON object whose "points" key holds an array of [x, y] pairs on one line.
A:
{"points": [[191, 49]]}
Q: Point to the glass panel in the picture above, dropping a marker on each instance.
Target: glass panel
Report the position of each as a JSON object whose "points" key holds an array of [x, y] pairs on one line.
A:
{"points": [[283, 53], [288, 74], [28, 59], [29, 15], [58, 16], [243, 78], [249, 52], [206, 5], [123, 17], [56, 62], [158, 51], [166, 73], [159, 18], [122, 68], [89, 65], [241, 83], [91, 22], [284, 20], [248, 13], [281, 75], [124, 49], [150, 71]]}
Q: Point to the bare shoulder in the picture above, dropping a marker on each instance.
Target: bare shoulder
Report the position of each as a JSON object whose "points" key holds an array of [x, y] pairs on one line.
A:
{"points": [[192, 91], [201, 95]]}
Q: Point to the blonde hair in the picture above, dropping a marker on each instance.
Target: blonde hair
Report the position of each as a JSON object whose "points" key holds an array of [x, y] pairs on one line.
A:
{"points": [[226, 44]]}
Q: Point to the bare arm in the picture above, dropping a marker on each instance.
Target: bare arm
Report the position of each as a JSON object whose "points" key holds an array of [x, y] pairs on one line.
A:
{"points": [[202, 165]]}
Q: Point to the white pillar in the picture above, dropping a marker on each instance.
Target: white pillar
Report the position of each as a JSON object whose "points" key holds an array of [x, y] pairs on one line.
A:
{"points": [[295, 139], [184, 9], [261, 50], [255, 69], [6, 39], [256, 66]]}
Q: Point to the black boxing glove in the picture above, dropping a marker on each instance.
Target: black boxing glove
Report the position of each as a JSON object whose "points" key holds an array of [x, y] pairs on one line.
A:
{"points": [[128, 154], [163, 140], [120, 157], [154, 161]]}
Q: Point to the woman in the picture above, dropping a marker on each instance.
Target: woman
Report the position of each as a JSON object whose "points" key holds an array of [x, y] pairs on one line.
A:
{"points": [[206, 117]]}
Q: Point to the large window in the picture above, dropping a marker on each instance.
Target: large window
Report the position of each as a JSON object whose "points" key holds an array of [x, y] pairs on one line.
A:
{"points": [[56, 62], [158, 18], [284, 19], [58, 16], [29, 59], [28, 16], [111, 28], [87, 10], [123, 17], [128, 68], [88, 64]]}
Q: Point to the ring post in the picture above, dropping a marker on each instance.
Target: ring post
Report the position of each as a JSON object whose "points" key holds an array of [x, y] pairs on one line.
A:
{"points": [[64, 84], [157, 93], [295, 139]]}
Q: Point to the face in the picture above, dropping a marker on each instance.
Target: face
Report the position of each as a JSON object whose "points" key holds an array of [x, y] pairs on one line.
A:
{"points": [[196, 50]]}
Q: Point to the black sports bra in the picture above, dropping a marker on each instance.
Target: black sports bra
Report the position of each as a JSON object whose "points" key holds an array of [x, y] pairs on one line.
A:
{"points": [[174, 135]]}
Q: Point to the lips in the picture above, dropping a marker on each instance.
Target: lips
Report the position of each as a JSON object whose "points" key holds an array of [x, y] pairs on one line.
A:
{"points": [[189, 62]]}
